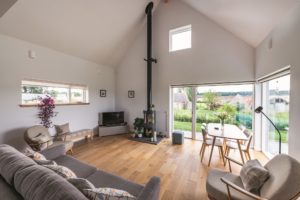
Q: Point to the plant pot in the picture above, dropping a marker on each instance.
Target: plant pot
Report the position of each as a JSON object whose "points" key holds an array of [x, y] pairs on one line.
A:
{"points": [[140, 135], [132, 135]]}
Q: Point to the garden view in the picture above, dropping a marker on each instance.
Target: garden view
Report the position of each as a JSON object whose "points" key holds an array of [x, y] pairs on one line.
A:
{"points": [[235, 101]]}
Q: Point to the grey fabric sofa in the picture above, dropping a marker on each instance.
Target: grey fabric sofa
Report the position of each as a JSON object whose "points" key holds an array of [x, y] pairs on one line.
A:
{"points": [[22, 178]]}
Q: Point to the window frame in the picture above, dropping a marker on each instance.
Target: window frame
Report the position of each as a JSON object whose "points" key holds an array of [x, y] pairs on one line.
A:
{"points": [[68, 86], [178, 30]]}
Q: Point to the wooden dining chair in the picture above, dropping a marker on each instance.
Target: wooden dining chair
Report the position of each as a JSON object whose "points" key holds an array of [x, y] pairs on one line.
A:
{"points": [[208, 142], [244, 147]]}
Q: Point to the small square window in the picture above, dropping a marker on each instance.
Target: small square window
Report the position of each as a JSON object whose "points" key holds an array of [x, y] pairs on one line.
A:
{"points": [[180, 38]]}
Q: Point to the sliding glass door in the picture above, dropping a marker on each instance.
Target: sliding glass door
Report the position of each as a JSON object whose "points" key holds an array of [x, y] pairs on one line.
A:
{"points": [[276, 99], [182, 110], [195, 105]]}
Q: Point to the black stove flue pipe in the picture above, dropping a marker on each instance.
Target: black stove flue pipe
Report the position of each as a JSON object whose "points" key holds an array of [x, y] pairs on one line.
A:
{"points": [[149, 59]]}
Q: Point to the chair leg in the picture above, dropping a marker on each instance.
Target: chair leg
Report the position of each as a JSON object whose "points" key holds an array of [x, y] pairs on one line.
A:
{"points": [[203, 151], [248, 152], [222, 154], [201, 148], [227, 154]]}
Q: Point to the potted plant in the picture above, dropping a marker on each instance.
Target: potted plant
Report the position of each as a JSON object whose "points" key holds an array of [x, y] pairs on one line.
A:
{"points": [[46, 108], [140, 133], [132, 134], [139, 126]]}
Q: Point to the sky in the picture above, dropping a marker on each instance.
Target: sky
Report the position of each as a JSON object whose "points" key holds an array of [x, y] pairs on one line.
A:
{"points": [[227, 88]]}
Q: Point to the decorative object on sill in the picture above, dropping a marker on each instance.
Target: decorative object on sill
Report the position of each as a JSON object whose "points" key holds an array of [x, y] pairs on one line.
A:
{"points": [[259, 110], [131, 94], [46, 108], [102, 93]]}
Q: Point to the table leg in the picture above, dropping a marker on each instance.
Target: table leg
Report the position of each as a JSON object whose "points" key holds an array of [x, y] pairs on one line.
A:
{"points": [[240, 149], [212, 149]]}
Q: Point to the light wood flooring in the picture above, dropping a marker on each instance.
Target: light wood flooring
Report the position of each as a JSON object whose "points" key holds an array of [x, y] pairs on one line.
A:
{"points": [[182, 174]]}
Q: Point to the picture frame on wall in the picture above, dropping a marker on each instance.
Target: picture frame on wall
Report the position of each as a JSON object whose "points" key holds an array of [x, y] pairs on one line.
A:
{"points": [[131, 94], [102, 93]]}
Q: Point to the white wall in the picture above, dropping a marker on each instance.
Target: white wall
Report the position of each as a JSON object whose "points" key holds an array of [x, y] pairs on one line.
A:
{"points": [[216, 56], [285, 51], [54, 66]]}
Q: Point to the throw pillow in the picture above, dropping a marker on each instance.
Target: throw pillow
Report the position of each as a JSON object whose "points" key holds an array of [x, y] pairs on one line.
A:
{"points": [[108, 194], [61, 130], [45, 162], [81, 184], [62, 171], [253, 176], [33, 154]]}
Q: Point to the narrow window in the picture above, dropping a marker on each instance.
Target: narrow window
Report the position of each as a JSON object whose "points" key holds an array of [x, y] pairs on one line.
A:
{"points": [[62, 93], [180, 38]]}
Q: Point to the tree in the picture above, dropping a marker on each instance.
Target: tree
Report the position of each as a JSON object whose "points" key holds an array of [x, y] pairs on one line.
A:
{"points": [[189, 93], [210, 98], [229, 109]]}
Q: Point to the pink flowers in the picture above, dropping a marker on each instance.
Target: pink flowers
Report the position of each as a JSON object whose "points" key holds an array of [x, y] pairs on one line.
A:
{"points": [[46, 110]]}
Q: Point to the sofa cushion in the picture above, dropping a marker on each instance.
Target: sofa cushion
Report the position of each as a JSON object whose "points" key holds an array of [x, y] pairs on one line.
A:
{"points": [[81, 184], [37, 182], [81, 169], [104, 179], [8, 192], [12, 161], [108, 194], [62, 171], [33, 154]]}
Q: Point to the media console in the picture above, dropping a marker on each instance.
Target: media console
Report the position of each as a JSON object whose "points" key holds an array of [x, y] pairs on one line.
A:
{"points": [[113, 130]]}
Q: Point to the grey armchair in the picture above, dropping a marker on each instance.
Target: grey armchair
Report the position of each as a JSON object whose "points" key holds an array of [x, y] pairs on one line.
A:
{"points": [[283, 183], [38, 138]]}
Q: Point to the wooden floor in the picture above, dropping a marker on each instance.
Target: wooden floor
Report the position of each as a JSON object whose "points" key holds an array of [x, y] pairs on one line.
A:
{"points": [[182, 174]]}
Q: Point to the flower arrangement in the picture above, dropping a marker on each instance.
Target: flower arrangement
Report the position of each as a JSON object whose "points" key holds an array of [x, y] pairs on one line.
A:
{"points": [[46, 108], [222, 116]]}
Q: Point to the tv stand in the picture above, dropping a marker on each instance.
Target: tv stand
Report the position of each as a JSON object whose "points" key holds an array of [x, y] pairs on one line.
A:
{"points": [[113, 130]]}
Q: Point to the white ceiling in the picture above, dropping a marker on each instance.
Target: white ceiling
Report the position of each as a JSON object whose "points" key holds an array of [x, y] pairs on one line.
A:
{"points": [[102, 30], [250, 20], [96, 30]]}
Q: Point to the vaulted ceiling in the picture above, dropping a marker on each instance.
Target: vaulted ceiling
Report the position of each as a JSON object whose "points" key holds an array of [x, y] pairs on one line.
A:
{"points": [[101, 30], [250, 20]]}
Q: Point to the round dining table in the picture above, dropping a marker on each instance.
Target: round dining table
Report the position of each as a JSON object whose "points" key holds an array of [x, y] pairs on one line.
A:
{"points": [[227, 132]]}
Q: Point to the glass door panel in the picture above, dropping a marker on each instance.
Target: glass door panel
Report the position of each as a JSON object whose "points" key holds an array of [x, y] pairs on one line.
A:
{"points": [[182, 110], [235, 100], [276, 95]]}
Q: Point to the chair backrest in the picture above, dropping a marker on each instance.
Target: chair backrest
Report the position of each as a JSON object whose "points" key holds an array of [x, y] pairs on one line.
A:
{"points": [[204, 133], [250, 136], [37, 135], [284, 180]]}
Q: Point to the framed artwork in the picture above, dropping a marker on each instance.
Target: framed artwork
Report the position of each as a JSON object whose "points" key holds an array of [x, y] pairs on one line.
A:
{"points": [[131, 94], [102, 93]]}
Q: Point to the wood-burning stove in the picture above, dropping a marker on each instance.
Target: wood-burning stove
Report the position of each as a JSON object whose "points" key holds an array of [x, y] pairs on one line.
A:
{"points": [[149, 114]]}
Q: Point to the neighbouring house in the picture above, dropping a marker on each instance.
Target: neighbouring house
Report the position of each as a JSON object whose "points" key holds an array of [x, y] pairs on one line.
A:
{"points": [[181, 101]]}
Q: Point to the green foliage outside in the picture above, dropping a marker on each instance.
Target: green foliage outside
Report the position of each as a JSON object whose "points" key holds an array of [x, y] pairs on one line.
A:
{"points": [[206, 112]]}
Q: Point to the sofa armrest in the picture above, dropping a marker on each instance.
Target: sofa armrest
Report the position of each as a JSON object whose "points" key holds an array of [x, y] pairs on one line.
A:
{"points": [[54, 152], [151, 190]]}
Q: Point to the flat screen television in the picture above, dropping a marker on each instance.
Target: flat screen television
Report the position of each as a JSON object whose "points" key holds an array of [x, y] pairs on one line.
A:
{"points": [[112, 118]]}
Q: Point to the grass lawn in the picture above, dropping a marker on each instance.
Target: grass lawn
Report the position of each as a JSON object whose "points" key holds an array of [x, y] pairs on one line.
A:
{"points": [[186, 126]]}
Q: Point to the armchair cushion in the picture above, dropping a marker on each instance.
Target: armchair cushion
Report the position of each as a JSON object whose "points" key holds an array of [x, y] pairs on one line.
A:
{"points": [[217, 190], [61, 131], [253, 176]]}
